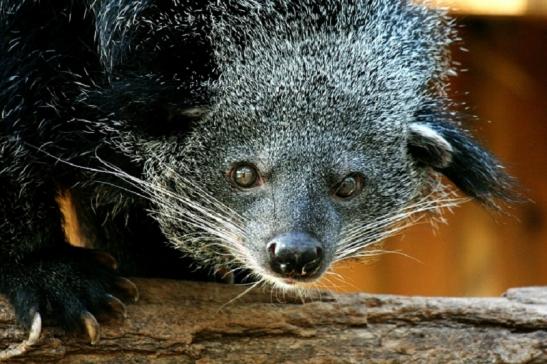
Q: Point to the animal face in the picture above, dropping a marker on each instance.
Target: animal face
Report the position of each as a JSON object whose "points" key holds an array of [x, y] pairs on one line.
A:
{"points": [[311, 132], [286, 194]]}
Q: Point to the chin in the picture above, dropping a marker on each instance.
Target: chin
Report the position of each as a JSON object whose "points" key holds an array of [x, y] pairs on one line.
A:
{"points": [[291, 284]]}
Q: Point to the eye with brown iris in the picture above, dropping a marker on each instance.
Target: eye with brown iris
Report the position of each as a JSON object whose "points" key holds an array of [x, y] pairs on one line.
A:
{"points": [[349, 187], [245, 175]]}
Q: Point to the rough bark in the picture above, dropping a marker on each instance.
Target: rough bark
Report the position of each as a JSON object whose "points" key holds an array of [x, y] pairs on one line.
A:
{"points": [[183, 322]]}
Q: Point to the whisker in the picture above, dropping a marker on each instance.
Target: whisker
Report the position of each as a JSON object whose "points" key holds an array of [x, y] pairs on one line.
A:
{"points": [[357, 237], [239, 296]]}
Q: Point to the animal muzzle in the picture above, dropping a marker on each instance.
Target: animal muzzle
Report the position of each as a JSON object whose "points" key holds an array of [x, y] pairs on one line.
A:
{"points": [[295, 255]]}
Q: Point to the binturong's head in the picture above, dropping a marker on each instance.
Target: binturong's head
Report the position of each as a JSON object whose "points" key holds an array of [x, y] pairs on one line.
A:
{"points": [[325, 129]]}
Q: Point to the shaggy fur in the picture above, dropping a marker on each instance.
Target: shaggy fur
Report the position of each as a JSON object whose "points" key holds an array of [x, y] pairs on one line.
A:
{"points": [[141, 108]]}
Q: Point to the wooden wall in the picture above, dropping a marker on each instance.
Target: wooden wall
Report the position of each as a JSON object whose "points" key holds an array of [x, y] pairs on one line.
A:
{"points": [[480, 253]]}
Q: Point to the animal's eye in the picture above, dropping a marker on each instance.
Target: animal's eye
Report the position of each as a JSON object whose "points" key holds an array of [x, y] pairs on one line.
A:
{"points": [[245, 175], [349, 187]]}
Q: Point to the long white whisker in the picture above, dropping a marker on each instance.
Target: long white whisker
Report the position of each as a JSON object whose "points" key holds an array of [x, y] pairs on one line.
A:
{"points": [[239, 295], [357, 237]]}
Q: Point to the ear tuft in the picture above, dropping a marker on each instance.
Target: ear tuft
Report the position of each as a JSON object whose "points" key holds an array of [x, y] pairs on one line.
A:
{"points": [[447, 149], [428, 146]]}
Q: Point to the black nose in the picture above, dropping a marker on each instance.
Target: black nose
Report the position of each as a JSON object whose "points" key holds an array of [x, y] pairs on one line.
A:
{"points": [[295, 255]]}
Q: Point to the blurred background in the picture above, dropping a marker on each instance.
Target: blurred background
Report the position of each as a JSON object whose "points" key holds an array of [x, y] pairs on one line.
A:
{"points": [[504, 83]]}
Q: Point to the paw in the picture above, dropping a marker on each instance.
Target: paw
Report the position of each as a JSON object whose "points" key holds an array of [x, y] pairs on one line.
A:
{"points": [[23, 347], [71, 288]]}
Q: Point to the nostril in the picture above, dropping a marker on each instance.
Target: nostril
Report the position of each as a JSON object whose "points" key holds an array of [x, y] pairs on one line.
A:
{"points": [[271, 248], [311, 267], [319, 251]]}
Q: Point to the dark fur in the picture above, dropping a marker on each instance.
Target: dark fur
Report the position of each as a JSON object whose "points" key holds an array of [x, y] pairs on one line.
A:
{"points": [[80, 81]]}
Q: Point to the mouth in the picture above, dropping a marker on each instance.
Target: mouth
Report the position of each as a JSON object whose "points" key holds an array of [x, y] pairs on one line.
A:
{"points": [[292, 282]]}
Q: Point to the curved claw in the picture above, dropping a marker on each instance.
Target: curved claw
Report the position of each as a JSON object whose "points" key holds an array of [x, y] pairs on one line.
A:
{"points": [[33, 337], [105, 259], [92, 327], [128, 287], [117, 306]]}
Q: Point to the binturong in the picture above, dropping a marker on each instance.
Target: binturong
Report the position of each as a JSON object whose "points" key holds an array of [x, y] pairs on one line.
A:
{"points": [[260, 140]]}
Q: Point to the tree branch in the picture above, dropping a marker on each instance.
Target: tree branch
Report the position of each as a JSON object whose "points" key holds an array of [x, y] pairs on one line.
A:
{"points": [[188, 321]]}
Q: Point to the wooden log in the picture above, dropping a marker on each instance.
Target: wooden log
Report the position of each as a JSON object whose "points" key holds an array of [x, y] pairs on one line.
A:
{"points": [[188, 322]]}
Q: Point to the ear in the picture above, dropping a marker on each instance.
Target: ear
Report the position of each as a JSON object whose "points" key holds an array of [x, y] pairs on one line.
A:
{"points": [[451, 151], [428, 146]]}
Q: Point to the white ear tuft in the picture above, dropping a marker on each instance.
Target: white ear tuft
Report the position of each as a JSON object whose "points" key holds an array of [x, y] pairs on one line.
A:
{"points": [[429, 146]]}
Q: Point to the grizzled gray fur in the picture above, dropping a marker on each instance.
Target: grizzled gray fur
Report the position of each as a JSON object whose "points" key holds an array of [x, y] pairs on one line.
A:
{"points": [[260, 139]]}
